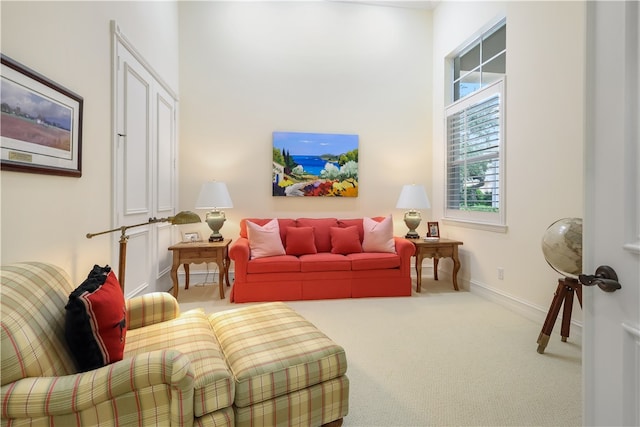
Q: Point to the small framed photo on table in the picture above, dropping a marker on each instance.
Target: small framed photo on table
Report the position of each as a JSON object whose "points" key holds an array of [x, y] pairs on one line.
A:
{"points": [[433, 230], [192, 236]]}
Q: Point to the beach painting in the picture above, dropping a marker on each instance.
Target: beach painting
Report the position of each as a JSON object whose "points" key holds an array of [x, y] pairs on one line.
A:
{"points": [[315, 164]]}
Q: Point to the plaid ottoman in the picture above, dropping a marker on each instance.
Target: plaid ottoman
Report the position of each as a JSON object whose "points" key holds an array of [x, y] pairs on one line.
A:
{"points": [[286, 371]]}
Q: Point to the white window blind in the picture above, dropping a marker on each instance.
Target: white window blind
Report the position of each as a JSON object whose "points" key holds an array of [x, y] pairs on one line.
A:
{"points": [[475, 138]]}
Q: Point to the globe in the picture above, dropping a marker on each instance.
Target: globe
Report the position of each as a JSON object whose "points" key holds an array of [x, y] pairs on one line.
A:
{"points": [[562, 246]]}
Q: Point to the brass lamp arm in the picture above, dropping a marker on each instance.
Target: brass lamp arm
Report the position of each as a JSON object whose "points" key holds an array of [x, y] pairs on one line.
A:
{"points": [[184, 217], [124, 228]]}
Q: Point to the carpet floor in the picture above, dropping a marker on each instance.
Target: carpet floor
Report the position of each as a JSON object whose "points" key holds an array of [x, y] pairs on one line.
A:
{"points": [[440, 358]]}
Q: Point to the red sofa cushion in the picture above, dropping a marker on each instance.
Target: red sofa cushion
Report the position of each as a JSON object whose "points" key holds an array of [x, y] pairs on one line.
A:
{"points": [[321, 227], [357, 222], [345, 240], [324, 262], [373, 261], [274, 264], [300, 241]]}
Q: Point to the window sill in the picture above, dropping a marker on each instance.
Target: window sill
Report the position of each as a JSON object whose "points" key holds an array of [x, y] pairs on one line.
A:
{"points": [[496, 228]]}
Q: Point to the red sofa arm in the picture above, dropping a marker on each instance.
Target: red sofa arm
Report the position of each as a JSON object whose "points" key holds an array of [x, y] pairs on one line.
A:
{"points": [[240, 253], [405, 249]]}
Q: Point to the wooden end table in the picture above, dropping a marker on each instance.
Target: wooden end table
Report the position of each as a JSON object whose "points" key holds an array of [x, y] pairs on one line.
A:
{"points": [[197, 252], [436, 249]]}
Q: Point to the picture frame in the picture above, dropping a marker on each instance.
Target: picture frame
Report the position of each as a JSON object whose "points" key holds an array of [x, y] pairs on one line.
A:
{"points": [[191, 236], [433, 229], [314, 165], [40, 125]]}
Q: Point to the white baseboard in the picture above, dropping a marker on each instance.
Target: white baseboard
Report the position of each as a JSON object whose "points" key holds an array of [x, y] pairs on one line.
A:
{"points": [[138, 291], [530, 311]]}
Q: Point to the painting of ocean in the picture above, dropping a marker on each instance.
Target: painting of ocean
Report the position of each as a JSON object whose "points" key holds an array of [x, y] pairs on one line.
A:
{"points": [[315, 164]]}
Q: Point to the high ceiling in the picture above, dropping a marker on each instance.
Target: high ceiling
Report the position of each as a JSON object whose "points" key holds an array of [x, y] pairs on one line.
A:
{"points": [[411, 4]]}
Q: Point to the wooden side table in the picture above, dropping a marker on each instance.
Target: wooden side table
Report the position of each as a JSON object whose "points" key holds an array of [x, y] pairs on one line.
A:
{"points": [[436, 249], [198, 252]]}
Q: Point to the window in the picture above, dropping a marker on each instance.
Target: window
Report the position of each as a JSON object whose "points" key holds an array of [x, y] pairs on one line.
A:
{"points": [[481, 64], [475, 133]]}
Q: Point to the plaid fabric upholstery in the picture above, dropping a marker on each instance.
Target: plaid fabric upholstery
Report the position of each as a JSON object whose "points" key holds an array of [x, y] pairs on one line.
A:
{"points": [[222, 418], [151, 308], [40, 385], [153, 388], [313, 406], [273, 351], [32, 315], [190, 334]]}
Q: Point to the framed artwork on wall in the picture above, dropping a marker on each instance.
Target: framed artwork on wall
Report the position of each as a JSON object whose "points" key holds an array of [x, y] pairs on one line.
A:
{"points": [[41, 123], [314, 165]]}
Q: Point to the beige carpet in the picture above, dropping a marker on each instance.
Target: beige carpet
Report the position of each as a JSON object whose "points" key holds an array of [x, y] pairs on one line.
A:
{"points": [[441, 358]]}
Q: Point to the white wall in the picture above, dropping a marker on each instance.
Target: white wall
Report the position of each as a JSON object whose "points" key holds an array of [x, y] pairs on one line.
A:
{"points": [[544, 138], [45, 218], [248, 69]]}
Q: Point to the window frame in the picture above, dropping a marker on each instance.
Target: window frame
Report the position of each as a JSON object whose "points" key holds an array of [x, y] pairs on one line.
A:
{"points": [[492, 221], [479, 43]]}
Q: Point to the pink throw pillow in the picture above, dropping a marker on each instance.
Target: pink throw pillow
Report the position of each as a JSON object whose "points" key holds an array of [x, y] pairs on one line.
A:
{"points": [[378, 236], [345, 240], [264, 240], [300, 241]]}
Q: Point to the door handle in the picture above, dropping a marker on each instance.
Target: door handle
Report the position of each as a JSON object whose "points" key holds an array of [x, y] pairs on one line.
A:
{"points": [[605, 277]]}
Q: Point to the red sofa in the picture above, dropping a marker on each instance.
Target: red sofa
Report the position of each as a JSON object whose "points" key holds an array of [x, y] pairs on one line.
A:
{"points": [[321, 275]]}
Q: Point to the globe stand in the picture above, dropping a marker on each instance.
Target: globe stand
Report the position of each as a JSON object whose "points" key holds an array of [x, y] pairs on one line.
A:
{"points": [[563, 295]]}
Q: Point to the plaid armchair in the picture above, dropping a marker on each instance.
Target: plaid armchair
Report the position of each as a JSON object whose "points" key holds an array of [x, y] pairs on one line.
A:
{"points": [[173, 372]]}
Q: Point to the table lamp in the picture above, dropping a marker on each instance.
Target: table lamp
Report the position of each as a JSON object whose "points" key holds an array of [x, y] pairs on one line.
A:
{"points": [[184, 217], [214, 195], [413, 197]]}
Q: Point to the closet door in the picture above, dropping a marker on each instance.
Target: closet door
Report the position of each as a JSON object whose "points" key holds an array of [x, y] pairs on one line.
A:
{"points": [[165, 184], [144, 171]]}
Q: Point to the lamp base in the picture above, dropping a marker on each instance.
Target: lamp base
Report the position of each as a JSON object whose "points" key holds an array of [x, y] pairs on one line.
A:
{"points": [[215, 220], [412, 221]]}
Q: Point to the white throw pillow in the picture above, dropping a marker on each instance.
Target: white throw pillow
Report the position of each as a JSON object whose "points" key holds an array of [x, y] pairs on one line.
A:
{"points": [[265, 240], [378, 236]]}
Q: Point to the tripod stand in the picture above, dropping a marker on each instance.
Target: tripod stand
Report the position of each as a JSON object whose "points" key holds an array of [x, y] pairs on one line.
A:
{"points": [[563, 295]]}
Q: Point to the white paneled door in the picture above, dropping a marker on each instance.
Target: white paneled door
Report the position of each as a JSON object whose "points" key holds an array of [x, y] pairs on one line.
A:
{"points": [[611, 335], [144, 169]]}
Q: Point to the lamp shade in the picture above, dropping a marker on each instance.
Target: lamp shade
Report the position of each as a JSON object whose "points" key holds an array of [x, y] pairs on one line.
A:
{"points": [[413, 197], [214, 195], [184, 217]]}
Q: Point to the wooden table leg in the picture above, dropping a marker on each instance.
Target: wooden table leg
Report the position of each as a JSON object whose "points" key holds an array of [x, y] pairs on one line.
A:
{"points": [[174, 276], [221, 284], [419, 258], [456, 267], [220, 262], [435, 267], [227, 262], [186, 276]]}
